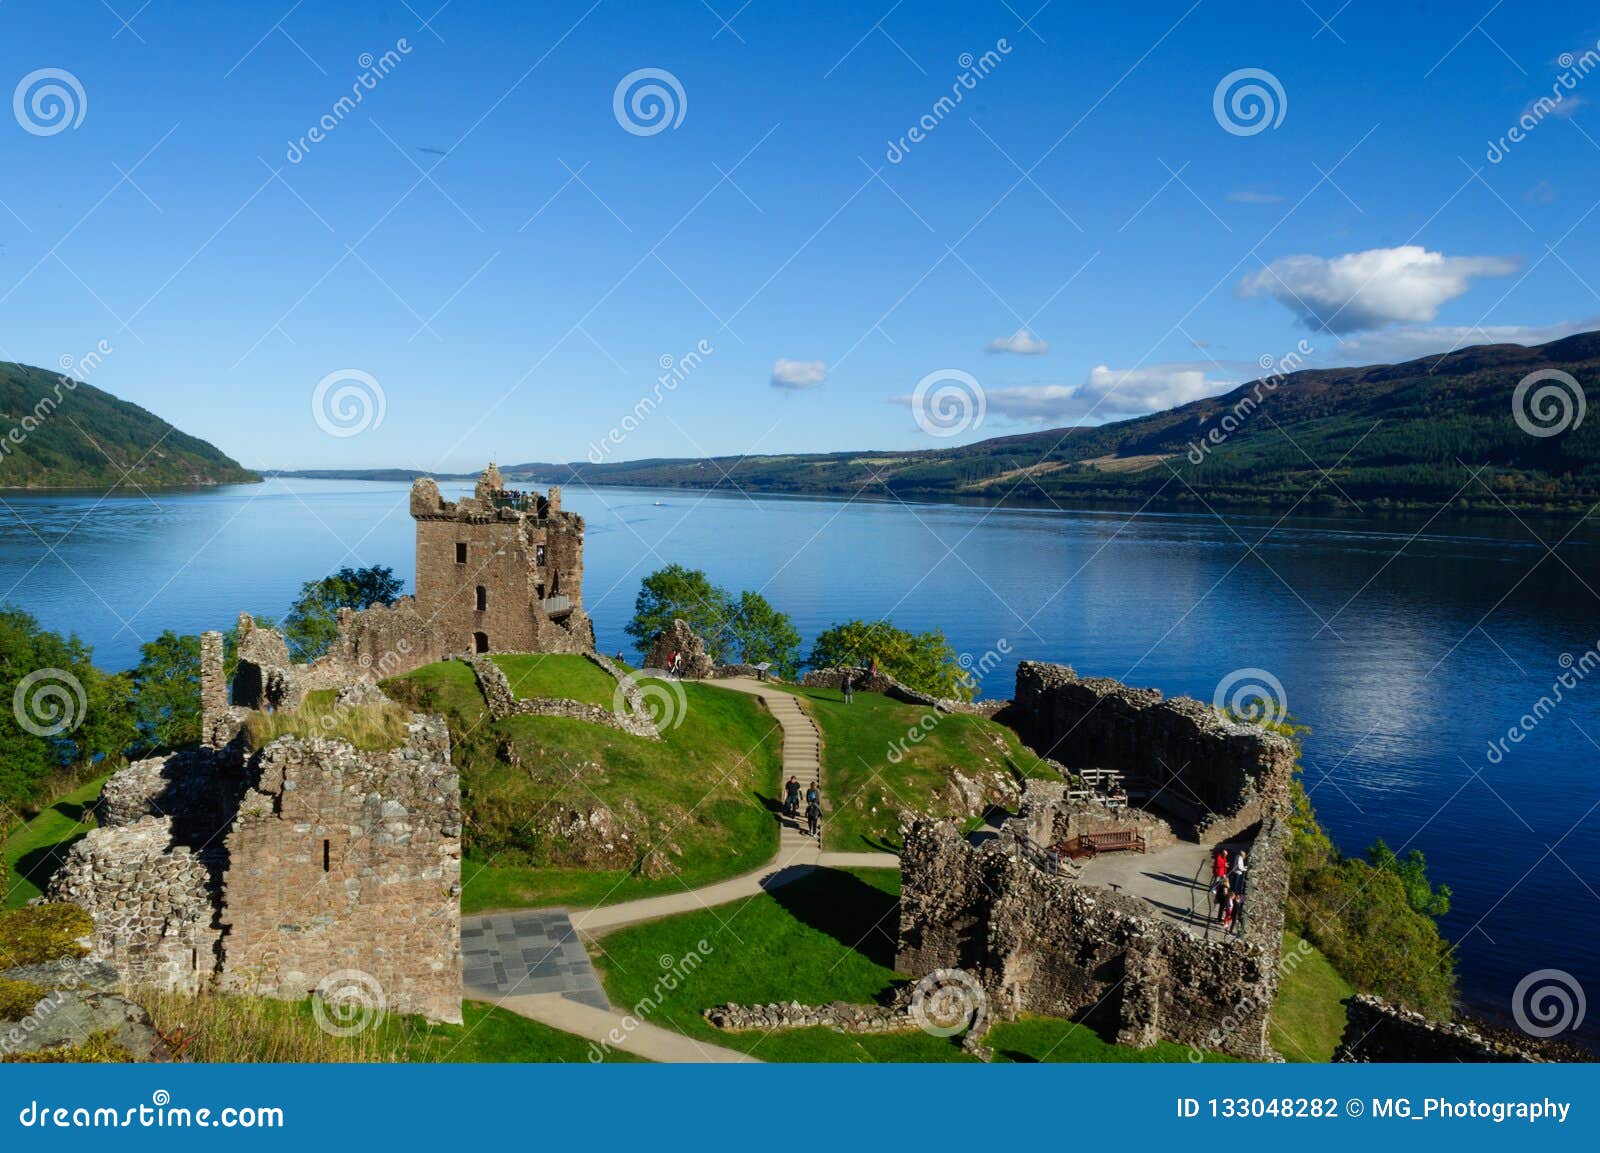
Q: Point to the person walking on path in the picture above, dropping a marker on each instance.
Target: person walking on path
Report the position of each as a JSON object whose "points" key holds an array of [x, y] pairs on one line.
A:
{"points": [[1221, 895], [1219, 864], [791, 797], [1236, 875], [1236, 912], [846, 688], [813, 810]]}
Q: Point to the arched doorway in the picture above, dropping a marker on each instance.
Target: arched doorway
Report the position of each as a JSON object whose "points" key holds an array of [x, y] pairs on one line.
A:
{"points": [[480, 642]]}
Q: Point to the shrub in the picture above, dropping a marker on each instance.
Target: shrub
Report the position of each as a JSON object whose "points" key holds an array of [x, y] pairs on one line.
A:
{"points": [[37, 933], [17, 998]]}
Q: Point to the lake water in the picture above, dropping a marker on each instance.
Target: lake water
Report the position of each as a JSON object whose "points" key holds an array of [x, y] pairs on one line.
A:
{"points": [[1406, 644]]}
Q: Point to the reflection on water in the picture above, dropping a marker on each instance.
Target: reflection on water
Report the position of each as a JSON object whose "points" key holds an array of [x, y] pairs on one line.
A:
{"points": [[1406, 644]]}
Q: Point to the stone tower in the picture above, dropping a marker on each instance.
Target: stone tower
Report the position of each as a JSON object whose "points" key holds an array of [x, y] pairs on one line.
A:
{"points": [[502, 570]]}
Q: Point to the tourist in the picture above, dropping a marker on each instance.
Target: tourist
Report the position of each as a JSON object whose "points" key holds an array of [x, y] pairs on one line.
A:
{"points": [[1236, 875], [845, 687], [813, 810], [672, 663], [1236, 912], [1227, 908], [791, 797], [619, 656], [1219, 864], [1221, 895]]}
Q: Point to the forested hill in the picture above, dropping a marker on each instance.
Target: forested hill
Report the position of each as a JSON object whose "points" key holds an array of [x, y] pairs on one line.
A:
{"points": [[1404, 434], [60, 433]]}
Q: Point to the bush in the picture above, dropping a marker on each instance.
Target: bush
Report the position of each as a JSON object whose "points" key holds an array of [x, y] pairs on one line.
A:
{"points": [[17, 998], [313, 621], [922, 661], [748, 627]]}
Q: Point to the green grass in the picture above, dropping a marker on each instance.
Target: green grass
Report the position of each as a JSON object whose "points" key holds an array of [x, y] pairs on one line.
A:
{"points": [[1308, 1017], [36, 849], [1050, 1039], [563, 675], [867, 789], [231, 1029], [702, 796], [373, 727], [827, 937]]}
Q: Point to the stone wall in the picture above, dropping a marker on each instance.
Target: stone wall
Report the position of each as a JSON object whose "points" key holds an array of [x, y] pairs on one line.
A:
{"points": [[1048, 817], [680, 639], [1208, 772], [1045, 944], [865, 681], [343, 861], [1376, 1030], [502, 702], [152, 903]]}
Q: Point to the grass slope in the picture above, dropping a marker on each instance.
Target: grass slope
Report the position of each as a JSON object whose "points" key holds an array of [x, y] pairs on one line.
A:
{"points": [[826, 937], [1308, 1018], [558, 675], [83, 437], [701, 797], [35, 849], [867, 789]]}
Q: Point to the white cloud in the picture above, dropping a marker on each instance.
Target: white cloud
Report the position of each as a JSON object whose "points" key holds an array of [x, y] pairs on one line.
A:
{"points": [[1414, 341], [1251, 196], [1022, 342], [798, 374], [1366, 290], [1106, 394]]}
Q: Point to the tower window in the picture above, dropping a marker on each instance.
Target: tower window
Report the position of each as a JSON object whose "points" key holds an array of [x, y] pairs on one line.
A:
{"points": [[461, 552], [483, 598], [324, 856]]}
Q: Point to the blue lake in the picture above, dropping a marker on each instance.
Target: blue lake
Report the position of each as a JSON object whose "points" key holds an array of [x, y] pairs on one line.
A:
{"points": [[1407, 644]]}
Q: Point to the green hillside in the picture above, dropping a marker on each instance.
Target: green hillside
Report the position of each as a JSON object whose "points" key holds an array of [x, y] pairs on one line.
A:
{"points": [[1406, 434], [60, 433]]}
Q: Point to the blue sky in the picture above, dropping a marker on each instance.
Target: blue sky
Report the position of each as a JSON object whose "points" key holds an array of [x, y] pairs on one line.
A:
{"points": [[483, 239]]}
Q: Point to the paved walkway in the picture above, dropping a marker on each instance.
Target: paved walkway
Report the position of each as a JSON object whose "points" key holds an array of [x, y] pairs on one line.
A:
{"points": [[1175, 880], [524, 961]]}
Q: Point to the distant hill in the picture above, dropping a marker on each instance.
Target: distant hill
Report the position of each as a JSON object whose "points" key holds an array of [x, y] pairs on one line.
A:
{"points": [[1405, 434], [57, 433]]}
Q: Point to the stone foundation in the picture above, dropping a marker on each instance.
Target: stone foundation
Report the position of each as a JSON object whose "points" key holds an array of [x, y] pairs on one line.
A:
{"points": [[1379, 1031]]}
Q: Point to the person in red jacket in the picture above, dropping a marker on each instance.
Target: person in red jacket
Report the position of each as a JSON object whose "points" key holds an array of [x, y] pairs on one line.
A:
{"points": [[1219, 866]]}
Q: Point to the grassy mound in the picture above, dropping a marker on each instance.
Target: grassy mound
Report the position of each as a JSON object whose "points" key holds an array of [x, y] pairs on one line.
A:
{"points": [[373, 727], [35, 850], [827, 937], [881, 756], [565, 675], [1308, 1018], [695, 806], [233, 1029]]}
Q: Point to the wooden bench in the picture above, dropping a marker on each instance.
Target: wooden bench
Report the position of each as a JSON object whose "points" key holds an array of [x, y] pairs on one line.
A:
{"points": [[1093, 844]]}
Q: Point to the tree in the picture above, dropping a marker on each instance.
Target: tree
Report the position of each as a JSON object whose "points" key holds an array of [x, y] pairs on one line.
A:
{"points": [[923, 661], [58, 713], [762, 633], [313, 621], [166, 693], [682, 593], [1412, 870]]}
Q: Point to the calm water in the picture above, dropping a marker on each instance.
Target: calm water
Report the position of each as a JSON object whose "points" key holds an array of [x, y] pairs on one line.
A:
{"points": [[1406, 645]]}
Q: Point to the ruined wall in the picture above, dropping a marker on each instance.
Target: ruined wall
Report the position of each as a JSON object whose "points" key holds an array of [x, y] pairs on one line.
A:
{"points": [[633, 718], [342, 860], [1045, 944], [379, 642], [679, 638], [1376, 1030], [152, 903], [1048, 817], [1192, 762]]}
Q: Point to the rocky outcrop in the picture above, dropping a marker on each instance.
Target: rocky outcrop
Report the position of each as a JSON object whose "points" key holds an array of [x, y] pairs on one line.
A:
{"points": [[84, 1000], [679, 639], [1379, 1031]]}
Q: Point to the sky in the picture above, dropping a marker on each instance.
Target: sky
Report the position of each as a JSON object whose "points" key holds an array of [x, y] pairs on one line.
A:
{"points": [[499, 251]]}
